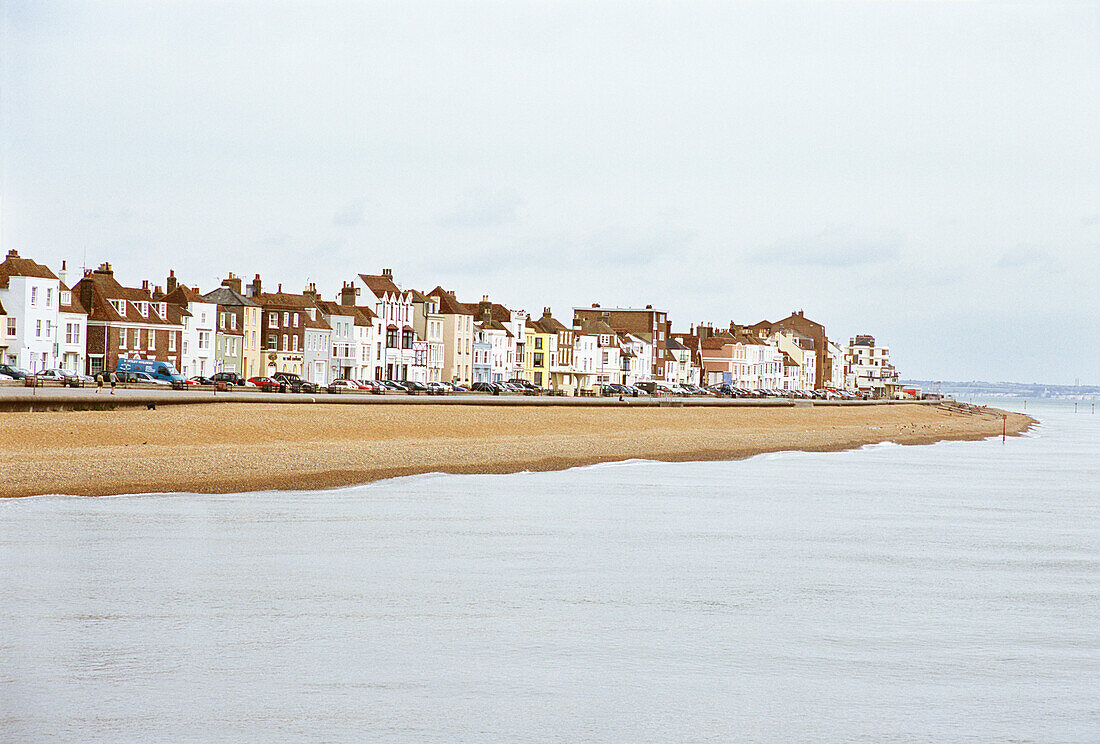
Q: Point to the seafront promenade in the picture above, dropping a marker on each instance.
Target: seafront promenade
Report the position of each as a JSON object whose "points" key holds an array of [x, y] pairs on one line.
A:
{"points": [[103, 444], [55, 398]]}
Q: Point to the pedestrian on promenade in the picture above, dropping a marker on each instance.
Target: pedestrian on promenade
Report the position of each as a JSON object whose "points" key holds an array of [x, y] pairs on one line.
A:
{"points": [[99, 383], [114, 381]]}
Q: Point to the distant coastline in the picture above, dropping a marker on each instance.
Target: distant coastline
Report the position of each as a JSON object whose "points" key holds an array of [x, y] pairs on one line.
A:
{"points": [[239, 447]]}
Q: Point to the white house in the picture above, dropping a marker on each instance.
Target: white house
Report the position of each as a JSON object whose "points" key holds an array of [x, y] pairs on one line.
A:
{"points": [[393, 327], [45, 325], [198, 356]]}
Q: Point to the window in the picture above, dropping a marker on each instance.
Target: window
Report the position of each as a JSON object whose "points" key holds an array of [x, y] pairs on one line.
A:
{"points": [[49, 297], [296, 338], [271, 341], [221, 320], [406, 339], [152, 339], [285, 341], [232, 321], [286, 319], [122, 338], [295, 320], [66, 298], [273, 320], [38, 329], [49, 329], [11, 326], [172, 343], [391, 338], [538, 358], [34, 296], [605, 357], [538, 342]]}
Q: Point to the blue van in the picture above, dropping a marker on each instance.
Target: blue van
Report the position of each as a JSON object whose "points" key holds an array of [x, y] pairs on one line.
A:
{"points": [[153, 368]]}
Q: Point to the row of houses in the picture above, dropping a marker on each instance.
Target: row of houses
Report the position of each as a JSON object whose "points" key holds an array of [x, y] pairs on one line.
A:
{"points": [[372, 328]]}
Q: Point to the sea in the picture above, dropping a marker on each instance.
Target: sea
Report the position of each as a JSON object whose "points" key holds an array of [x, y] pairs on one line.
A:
{"points": [[939, 593]]}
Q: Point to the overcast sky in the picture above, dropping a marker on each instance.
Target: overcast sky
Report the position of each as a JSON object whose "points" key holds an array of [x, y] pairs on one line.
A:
{"points": [[925, 172]]}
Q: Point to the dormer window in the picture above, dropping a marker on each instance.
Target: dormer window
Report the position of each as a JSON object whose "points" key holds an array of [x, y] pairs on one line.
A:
{"points": [[66, 298], [143, 308], [162, 309]]}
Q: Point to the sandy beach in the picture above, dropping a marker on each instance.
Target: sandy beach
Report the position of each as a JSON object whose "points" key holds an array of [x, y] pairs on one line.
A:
{"points": [[223, 448]]}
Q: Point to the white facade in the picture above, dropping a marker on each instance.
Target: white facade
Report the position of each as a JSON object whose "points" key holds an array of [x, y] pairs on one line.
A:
{"points": [[199, 352], [41, 329]]}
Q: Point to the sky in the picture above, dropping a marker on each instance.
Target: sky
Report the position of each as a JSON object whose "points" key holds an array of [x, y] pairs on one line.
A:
{"points": [[925, 172]]}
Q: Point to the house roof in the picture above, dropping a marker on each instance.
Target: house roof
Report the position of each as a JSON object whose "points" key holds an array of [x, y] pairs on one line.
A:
{"points": [[380, 284], [102, 287], [228, 297], [74, 305], [596, 327], [14, 265], [448, 304]]}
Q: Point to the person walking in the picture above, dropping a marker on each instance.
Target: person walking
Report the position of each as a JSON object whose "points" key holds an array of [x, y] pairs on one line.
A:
{"points": [[99, 383], [114, 381]]}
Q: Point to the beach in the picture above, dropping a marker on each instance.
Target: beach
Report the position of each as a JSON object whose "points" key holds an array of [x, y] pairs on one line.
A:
{"points": [[238, 447]]}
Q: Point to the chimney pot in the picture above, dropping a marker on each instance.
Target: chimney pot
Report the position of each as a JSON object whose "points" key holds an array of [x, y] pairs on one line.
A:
{"points": [[387, 273], [13, 253]]}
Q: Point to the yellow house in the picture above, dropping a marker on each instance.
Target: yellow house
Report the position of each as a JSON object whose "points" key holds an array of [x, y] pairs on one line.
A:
{"points": [[540, 353]]}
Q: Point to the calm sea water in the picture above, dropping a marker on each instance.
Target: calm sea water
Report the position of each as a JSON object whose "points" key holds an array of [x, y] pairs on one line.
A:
{"points": [[941, 593]]}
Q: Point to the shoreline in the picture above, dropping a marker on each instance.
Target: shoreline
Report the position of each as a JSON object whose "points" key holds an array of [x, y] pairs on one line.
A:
{"points": [[242, 447]]}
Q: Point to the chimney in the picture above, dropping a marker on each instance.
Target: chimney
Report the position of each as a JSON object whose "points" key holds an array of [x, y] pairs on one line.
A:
{"points": [[546, 313], [388, 273], [170, 283], [310, 291], [233, 282], [157, 295], [280, 289], [145, 285], [704, 332], [485, 309], [255, 288], [348, 293], [13, 253], [104, 268], [595, 304], [63, 275], [649, 307]]}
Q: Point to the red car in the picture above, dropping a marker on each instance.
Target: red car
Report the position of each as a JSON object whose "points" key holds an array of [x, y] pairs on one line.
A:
{"points": [[267, 384]]}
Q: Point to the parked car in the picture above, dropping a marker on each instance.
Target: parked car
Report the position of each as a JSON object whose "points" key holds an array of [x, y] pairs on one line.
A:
{"points": [[230, 378], [146, 378], [339, 386], [199, 380], [437, 388], [65, 377], [294, 383], [15, 373], [485, 387], [267, 384]]}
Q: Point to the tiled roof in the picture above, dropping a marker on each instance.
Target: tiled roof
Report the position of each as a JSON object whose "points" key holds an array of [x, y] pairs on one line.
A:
{"points": [[74, 305], [103, 287], [13, 265], [380, 284], [227, 297], [449, 305]]}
